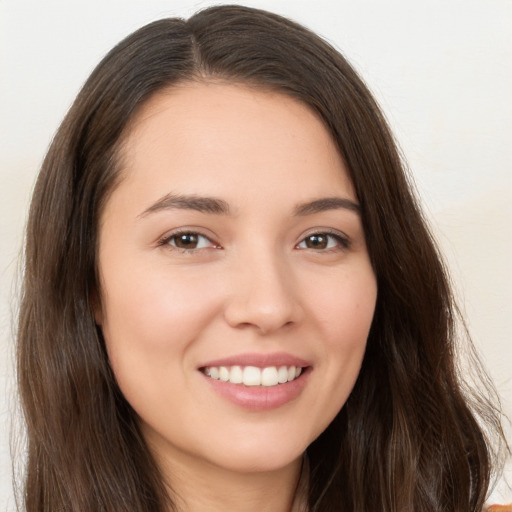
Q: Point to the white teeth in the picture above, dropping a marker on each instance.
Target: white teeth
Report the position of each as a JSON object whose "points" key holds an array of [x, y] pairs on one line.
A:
{"points": [[223, 374], [236, 375], [282, 375], [252, 375], [269, 376]]}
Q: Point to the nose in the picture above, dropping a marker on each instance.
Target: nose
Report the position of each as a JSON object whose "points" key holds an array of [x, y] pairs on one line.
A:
{"points": [[263, 295]]}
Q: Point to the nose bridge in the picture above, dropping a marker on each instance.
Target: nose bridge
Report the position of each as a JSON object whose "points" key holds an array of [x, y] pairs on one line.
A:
{"points": [[262, 291]]}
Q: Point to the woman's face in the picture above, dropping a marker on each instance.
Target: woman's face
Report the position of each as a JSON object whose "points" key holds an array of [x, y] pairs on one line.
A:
{"points": [[232, 258]]}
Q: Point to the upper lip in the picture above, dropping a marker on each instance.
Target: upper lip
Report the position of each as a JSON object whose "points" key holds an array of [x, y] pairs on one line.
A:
{"points": [[258, 360]]}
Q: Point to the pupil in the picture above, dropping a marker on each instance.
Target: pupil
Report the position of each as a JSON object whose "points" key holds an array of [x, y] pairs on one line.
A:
{"points": [[187, 241], [316, 242]]}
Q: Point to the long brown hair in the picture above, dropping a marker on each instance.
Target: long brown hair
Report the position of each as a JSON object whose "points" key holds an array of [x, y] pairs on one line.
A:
{"points": [[405, 440]]}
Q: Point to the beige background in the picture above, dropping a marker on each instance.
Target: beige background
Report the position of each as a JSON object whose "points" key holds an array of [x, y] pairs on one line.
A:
{"points": [[441, 69]]}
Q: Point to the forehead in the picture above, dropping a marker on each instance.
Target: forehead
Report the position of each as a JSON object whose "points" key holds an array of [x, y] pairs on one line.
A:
{"points": [[218, 135]]}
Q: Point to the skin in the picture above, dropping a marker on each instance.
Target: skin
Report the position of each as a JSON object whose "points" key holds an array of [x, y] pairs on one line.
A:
{"points": [[255, 283]]}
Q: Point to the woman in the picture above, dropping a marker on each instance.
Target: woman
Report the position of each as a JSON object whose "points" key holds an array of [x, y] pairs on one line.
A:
{"points": [[231, 300]]}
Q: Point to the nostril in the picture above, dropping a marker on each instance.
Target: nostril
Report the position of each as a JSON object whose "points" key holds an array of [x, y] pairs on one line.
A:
{"points": [[263, 318]]}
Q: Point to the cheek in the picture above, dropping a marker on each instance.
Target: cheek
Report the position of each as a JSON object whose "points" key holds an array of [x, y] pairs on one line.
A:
{"points": [[344, 307], [344, 313], [152, 317], [150, 322]]}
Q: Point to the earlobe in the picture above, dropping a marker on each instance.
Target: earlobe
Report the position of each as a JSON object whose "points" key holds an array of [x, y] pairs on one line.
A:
{"points": [[98, 316], [97, 310]]}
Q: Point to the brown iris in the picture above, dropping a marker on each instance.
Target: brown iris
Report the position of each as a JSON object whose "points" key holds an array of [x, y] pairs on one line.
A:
{"points": [[186, 240], [317, 241]]}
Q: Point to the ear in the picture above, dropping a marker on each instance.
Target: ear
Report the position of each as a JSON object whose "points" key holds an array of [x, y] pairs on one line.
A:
{"points": [[97, 310]]}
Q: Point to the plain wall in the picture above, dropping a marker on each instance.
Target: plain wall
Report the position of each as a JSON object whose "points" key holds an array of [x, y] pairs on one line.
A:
{"points": [[442, 71]]}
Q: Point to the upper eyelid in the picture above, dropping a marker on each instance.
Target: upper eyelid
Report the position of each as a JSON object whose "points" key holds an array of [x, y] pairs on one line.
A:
{"points": [[325, 231], [164, 239], [345, 239], [343, 242]]}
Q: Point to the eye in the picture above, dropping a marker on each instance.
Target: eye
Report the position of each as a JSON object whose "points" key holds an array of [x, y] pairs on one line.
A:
{"points": [[323, 241], [188, 240]]}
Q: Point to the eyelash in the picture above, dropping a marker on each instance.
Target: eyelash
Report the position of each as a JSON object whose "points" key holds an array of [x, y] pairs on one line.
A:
{"points": [[165, 241], [342, 241]]}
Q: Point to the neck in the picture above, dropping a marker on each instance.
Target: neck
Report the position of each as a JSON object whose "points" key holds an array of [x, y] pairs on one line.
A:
{"points": [[200, 486]]}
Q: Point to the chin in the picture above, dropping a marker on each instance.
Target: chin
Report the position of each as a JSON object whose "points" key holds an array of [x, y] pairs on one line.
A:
{"points": [[259, 455], [260, 463]]}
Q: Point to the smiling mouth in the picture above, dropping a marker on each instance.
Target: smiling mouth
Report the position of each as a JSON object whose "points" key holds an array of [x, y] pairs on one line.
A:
{"points": [[252, 375]]}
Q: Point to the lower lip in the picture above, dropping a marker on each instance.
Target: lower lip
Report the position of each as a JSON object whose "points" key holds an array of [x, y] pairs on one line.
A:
{"points": [[260, 398]]}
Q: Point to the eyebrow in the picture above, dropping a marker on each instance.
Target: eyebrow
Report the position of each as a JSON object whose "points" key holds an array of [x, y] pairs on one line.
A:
{"points": [[188, 202], [326, 203], [217, 206]]}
